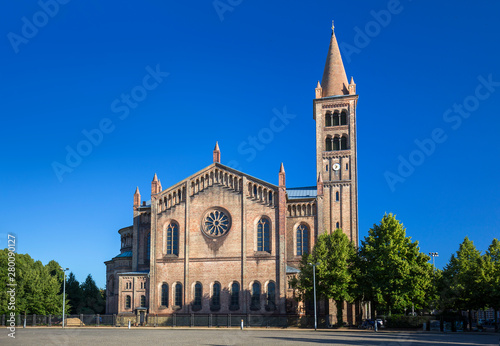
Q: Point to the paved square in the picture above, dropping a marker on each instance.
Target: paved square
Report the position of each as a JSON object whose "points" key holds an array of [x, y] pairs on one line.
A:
{"points": [[214, 336]]}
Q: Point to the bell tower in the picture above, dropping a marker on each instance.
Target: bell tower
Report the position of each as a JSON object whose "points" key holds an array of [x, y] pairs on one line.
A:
{"points": [[336, 152]]}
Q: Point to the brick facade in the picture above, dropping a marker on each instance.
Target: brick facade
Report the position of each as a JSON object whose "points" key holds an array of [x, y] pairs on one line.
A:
{"points": [[221, 228]]}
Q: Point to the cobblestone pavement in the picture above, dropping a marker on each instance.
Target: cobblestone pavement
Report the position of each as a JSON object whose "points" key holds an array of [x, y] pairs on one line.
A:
{"points": [[216, 336]]}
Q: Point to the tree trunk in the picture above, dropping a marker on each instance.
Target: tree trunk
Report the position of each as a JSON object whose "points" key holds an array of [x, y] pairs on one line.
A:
{"points": [[340, 312], [470, 320]]}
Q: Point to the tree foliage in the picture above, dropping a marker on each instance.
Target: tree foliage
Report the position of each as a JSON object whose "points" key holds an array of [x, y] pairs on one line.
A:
{"points": [[335, 256], [393, 273]]}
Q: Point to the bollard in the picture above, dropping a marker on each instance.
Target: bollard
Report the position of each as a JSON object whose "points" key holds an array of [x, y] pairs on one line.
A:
{"points": [[241, 324], [128, 324], [24, 325], [375, 327]]}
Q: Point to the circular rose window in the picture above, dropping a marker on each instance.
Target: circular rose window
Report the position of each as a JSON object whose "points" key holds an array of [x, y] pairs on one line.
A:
{"points": [[216, 223]]}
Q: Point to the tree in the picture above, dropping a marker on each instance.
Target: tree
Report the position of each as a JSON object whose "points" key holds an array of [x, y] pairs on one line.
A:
{"points": [[464, 275], [93, 300], [393, 273], [492, 277], [335, 255], [74, 293]]}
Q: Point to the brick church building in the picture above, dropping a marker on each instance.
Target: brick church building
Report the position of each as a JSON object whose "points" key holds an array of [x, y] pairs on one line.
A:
{"points": [[222, 241]]}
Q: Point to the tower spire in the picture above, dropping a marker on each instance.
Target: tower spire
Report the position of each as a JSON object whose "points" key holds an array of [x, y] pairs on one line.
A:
{"points": [[216, 153], [334, 80]]}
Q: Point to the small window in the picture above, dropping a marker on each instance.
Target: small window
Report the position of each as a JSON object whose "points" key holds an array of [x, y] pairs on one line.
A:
{"points": [[216, 295], [337, 226], [346, 166], [336, 119], [198, 292], [178, 294], [143, 301], [164, 295], [148, 247], [270, 197], [255, 191], [271, 296], [255, 302], [328, 119], [336, 143], [128, 302], [343, 118], [337, 196], [235, 296], [343, 143], [328, 144], [326, 170]]}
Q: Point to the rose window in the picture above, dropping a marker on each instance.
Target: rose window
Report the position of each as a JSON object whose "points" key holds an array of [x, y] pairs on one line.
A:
{"points": [[216, 223]]}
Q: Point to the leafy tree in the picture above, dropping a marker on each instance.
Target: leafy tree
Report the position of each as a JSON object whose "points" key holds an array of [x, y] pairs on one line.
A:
{"points": [[393, 273], [335, 255], [464, 275], [492, 277]]}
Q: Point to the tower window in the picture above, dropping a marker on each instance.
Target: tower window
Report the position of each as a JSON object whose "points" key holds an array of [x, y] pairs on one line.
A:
{"points": [[128, 302], [173, 239], [336, 119], [255, 302], [328, 144], [143, 301], [302, 240], [326, 170], [178, 294], [263, 236], [337, 225], [328, 119], [164, 295], [346, 166], [148, 247], [343, 143], [336, 143], [343, 118], [337, 196]]}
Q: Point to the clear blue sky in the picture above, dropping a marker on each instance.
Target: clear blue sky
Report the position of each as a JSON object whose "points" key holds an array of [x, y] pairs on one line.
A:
{"points": [[229, 72]]}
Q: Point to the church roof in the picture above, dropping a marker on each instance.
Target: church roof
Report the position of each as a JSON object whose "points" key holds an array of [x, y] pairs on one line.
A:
{"points": [[125, 254], [139, 272], [334, 80], [301, 192]]}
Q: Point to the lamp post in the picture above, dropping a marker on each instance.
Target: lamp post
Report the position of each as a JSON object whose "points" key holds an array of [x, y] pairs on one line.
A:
{"points": [[64, 292], [433, 255], [314, 285]]}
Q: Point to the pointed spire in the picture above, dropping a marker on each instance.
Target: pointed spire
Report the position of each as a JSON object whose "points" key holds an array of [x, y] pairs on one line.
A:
{"points": [[216, 153], [319, 187], [318, 86], [319, 91], [155, 186], [334, 80], [352, 87], [282, 180], [137, 197], [155, 178]]}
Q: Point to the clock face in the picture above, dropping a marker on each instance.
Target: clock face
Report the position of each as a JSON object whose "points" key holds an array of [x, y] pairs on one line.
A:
{"points": [[336, 167]]}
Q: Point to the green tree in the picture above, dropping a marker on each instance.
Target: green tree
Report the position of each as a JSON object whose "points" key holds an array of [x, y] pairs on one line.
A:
{"points": [[335, 255], [492, 277], [393, 273], [93, 300], [74, 293], [464, 275]]}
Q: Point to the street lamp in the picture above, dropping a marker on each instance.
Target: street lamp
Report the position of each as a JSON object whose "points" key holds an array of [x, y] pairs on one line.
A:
{"points": [[433, 254], [314, 285], [64, 292]]}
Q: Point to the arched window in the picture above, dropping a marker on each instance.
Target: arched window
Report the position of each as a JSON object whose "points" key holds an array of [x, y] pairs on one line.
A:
{"points": [[336, 143], [271, 296], [198, 292], [270, 197], [302, 239], [143, 301], [216, 295], [337, 225], [128, 302], [263, 236], [343, 118], [178, 295], [255, 302], [173, 239], [235, 296], [343, 144], [336, 119], [337, 196], [164, 295], [148, 246], [328, 144], [328, 119]]}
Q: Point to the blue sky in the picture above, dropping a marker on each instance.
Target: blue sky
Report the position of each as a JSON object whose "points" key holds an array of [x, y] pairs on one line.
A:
{"points": [[427, 74]]}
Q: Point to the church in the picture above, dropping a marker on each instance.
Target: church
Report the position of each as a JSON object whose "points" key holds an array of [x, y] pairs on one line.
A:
{"points": [[221, 241]]}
